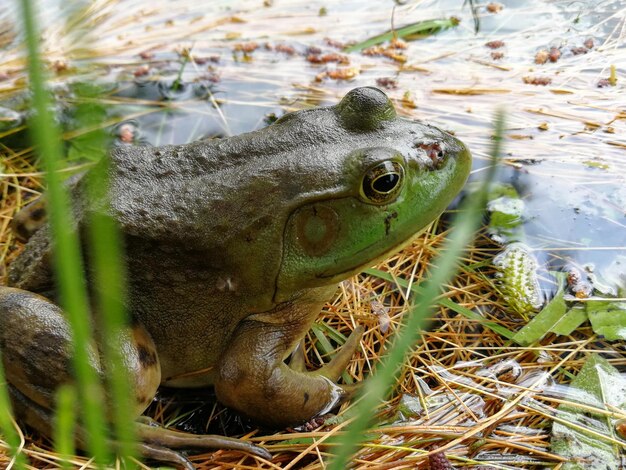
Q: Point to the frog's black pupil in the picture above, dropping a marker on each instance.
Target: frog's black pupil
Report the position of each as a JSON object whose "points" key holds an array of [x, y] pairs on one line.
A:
{"points": [[386, 183]]}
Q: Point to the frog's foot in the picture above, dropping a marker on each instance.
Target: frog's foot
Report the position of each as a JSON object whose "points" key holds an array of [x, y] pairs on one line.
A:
{"points": [[158, 442], [338, 363], [297, 361], [254, 379], [163, 439]]}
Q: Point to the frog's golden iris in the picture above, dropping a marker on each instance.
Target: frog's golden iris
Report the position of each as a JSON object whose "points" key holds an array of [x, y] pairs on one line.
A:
{"points": [[382, 182]]}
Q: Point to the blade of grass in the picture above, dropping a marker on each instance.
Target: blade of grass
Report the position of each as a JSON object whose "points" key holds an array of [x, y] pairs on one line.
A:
{"points": [[112, 319], [65, 424], [66, 256], [475, 17], [542, 323], [422, 28], [377, 386], [7, 426]]}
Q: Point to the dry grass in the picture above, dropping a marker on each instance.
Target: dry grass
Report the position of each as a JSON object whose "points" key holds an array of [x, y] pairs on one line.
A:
{"points": [[495, 400]]}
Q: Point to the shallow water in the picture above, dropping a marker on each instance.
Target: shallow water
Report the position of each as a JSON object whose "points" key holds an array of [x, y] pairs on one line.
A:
{"points": [[570, 176]]}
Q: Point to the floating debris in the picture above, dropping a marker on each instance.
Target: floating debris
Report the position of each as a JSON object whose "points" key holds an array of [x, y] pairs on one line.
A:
{"points": [[542, 56], [328, 58], [390, 52], [577, 282], [285, 49], [141, 71], [579, 50], [387, 82], [494, 44], [543, 81], [554, 54], [339, 74], [408, 101], [246, 47], [494, 7]]}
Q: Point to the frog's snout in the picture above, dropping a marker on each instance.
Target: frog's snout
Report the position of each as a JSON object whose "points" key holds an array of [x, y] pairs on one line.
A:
{"points": [[463, 157]]}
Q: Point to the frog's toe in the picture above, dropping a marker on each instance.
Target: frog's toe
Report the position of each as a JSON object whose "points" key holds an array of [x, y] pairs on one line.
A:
{"points": [[165, 455], [297, 361], [160, 437], [339, 363]]}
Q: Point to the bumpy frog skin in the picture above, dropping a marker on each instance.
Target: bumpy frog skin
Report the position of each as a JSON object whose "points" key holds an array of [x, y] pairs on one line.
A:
{"points": [[232, 248]]}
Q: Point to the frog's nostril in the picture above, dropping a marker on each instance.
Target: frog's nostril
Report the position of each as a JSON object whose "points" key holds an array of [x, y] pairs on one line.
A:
{"points": [[364, 108]]}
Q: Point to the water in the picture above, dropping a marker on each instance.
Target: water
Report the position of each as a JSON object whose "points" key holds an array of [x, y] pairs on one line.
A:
{"points": [[570, 174]]}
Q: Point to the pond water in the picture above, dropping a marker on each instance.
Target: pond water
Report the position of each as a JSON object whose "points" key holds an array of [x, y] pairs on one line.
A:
{"points": [[565, 140]]}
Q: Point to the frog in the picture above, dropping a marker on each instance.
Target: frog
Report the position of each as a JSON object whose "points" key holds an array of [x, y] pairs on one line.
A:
{"points": [[232, 247]]}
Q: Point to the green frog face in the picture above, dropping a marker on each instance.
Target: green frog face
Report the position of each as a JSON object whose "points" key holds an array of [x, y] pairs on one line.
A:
{"points": [[391, 177]]}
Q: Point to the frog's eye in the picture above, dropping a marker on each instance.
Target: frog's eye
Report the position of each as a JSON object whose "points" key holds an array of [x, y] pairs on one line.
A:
{"points": [[382, 182]]}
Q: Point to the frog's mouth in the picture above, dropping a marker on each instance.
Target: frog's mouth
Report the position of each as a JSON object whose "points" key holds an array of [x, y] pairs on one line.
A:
{"points": [[327, 241]]}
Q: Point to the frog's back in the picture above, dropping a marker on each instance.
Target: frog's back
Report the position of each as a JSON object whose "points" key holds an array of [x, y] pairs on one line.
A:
{"points": [[204, 193]]}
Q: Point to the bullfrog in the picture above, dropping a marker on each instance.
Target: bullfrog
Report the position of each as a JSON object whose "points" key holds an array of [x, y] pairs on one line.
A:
{"points": [[232, 247]]}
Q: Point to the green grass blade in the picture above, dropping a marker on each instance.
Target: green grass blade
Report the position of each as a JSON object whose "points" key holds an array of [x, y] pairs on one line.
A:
{"points": [[377, 386], [65, 425], [543, 322], [7, 429], [320, 330], [422, 28], [67, 259], [109, 281]]}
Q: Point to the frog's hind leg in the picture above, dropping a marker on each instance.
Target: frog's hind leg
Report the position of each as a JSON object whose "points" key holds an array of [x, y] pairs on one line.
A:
{"points": [[158, 437], [35, 342]]}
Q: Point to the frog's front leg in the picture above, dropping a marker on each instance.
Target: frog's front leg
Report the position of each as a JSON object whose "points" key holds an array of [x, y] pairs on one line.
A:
{"points": [[254, 379], [35, 342]]}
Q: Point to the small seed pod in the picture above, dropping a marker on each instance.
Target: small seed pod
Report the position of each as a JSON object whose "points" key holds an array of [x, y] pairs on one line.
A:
{"points": [[517, 281]]}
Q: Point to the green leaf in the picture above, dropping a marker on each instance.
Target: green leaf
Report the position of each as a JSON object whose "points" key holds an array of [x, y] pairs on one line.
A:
{"points": [[608, 318], [323, 344], [574, 317], [543, 322], [506, 210], [585, 437], [422, 28], [335, 335], [326, 348]]}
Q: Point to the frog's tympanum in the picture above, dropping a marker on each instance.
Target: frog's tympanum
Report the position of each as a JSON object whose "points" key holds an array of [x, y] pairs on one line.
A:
{"points": [[232, 247]]}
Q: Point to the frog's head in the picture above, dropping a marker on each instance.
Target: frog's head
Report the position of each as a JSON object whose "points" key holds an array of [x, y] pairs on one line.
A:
{"points": [[392, 178]]}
